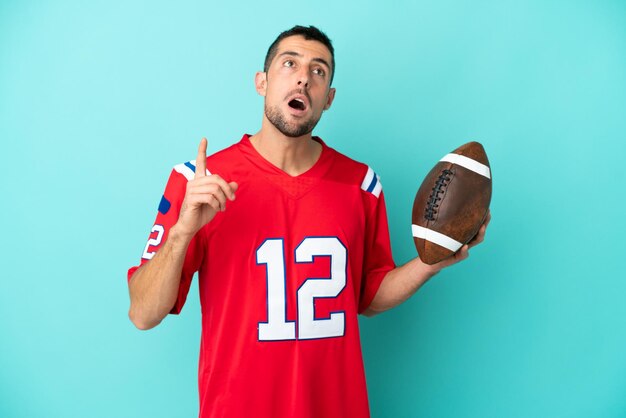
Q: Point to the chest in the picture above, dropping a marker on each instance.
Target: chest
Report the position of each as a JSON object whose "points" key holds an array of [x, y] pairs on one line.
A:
{"points": [[297, 257], [291, 211]]}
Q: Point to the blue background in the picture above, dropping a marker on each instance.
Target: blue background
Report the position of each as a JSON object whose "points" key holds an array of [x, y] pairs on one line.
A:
{"points": [[98, 101]]}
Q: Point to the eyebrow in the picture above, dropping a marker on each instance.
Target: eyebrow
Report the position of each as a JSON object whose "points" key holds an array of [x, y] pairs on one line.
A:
{"points": [[297, 54]]}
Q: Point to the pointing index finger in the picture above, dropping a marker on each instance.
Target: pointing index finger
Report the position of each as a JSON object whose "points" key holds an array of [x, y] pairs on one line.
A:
{"points": [[201, 159]]}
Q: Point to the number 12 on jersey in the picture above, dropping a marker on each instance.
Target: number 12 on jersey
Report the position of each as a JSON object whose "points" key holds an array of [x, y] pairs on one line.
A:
{"points": [[271, 253]]}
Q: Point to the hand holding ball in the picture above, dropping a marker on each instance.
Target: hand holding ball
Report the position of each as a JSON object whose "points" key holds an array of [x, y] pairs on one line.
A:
{"points": [[452, 203]]}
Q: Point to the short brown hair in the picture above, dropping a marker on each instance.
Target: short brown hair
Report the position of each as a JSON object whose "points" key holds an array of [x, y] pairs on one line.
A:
{"points": [[310, 33]]}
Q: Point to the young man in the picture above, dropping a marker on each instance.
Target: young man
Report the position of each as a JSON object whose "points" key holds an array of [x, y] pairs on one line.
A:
{"points": [[291, 242]]}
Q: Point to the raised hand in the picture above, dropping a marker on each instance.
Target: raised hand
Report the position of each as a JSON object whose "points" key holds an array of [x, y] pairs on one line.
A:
{"points": [[204, 197]]}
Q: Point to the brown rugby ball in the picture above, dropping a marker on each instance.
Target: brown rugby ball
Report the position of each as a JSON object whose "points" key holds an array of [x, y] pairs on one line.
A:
{"points": [[452, 203]]}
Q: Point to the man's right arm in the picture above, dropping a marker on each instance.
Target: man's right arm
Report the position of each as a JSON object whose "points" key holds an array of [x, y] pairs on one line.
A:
{"points": [[154, 286]]}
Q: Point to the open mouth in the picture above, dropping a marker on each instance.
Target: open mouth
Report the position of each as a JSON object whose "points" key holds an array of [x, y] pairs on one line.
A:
{"points": [[297, 104]]}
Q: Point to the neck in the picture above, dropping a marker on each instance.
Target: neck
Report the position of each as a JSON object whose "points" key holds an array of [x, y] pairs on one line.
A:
{"points": [[294, 156]]}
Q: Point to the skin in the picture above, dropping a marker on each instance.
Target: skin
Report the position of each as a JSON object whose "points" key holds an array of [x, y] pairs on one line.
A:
{"points": [[300, 69], [154, 286]]}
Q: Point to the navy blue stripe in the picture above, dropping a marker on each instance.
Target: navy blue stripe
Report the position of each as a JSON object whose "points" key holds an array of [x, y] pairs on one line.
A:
{"points": [[191, 166], [164, 205], [372, 184]]}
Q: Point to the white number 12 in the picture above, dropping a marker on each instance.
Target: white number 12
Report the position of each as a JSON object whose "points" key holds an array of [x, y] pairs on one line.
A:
{"points": [[271, 253]]}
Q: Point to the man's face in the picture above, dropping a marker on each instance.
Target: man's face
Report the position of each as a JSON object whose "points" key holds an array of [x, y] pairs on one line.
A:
{"points": [[297, 85]]}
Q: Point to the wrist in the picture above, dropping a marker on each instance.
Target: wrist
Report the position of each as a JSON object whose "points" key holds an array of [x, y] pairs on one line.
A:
{"points": [[427, 270], [180, 236]]}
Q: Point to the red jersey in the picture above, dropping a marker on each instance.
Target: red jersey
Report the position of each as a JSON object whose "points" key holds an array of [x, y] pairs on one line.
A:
{"points": [[283, 273]]}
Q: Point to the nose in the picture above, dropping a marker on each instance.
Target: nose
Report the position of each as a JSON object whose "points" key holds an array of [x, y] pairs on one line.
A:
{"points": [[303, 79]]}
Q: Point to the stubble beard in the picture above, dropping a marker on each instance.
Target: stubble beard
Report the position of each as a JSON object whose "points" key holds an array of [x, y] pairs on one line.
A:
{"points": [[292, 130]]}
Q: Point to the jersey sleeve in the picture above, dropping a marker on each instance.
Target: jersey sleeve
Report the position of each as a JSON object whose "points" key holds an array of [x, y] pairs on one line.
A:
{"points": [[167, 215], [378, 258]]}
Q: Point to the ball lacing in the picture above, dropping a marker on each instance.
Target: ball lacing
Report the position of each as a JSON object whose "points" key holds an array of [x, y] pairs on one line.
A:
{"points": [[434, 198]]}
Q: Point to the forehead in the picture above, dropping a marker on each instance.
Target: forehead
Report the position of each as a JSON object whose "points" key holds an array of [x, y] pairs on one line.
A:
{"points": [[307, 48]]}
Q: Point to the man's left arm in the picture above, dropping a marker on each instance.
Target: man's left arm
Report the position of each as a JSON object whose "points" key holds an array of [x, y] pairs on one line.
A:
{"points": [[402, 282]]}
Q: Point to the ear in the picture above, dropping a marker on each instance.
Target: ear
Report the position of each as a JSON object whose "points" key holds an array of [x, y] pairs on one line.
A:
{"points": [[330, 98], [260, 82]]}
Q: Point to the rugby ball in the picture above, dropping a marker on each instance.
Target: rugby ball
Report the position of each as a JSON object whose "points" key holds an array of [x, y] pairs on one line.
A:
{"points": [[452, 203]]}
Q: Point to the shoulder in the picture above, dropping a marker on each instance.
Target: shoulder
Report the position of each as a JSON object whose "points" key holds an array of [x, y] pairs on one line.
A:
{"points": [[356, 173]]}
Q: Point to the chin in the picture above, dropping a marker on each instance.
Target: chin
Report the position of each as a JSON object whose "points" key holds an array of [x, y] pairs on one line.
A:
{"points": [[286, 124]]}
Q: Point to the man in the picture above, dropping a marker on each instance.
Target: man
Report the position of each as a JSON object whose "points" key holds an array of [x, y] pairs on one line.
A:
{"points": [[291, 241]]}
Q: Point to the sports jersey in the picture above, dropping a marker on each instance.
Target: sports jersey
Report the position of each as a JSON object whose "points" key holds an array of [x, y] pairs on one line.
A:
{"points": [[283, 273]]}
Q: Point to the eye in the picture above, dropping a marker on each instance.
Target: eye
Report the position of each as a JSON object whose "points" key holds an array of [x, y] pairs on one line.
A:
{"points": [[319, 72], [288, 63]]}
